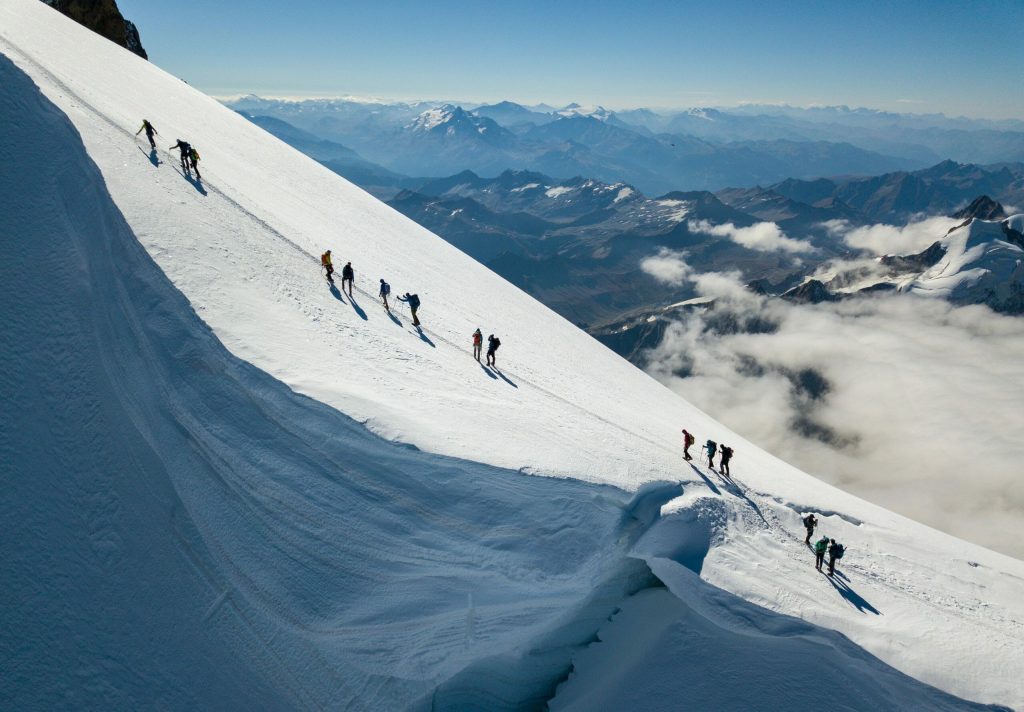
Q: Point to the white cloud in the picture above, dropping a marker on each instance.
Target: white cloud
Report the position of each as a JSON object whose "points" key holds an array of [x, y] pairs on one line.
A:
{"points": [[764, 236], [882, 239], [668, 267], [920, 413]]}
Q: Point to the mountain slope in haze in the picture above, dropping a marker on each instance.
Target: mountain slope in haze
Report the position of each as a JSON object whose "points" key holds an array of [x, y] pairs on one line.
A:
{"points": [[340, 159], [572, 141], [232, 485], [937, 190]]}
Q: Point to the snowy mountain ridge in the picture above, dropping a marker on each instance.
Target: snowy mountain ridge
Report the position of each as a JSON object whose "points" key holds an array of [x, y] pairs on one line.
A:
{"points": [[293, 498]]}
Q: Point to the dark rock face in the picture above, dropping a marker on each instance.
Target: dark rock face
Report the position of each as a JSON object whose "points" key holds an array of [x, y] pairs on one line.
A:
{"points": [[1012, 236], [811, 292], [103, 18], [983, 208], [919, 262]]}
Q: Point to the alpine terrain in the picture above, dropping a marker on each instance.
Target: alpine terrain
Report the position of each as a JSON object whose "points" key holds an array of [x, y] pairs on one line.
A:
{"points": [[229, 485]]}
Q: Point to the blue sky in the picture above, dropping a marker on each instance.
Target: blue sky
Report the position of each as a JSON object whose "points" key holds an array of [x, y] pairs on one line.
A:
{"points": [[954, 57]]}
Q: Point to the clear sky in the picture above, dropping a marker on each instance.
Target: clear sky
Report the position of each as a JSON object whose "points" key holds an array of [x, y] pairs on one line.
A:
{"points": [[954, 56]]}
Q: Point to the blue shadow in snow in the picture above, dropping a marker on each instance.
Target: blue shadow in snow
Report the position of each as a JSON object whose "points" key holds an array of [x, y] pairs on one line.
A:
{"points": [[503, 377], [152, 156], [335, 293], [707, 480], [358, 309], [425, 338], [855, 599], [196, 183]]}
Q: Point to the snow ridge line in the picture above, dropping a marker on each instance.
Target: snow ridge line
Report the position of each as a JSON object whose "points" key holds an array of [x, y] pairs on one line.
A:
{"points": [[278, 234], [117, 127]]}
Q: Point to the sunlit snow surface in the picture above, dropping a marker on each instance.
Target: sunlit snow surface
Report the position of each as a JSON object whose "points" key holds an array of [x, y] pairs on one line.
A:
{"points": [[229, 487]]}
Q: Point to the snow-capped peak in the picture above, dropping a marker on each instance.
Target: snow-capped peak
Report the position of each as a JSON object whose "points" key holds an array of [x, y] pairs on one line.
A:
{"points": [[704, 113], [432, 118], [594, 112]]}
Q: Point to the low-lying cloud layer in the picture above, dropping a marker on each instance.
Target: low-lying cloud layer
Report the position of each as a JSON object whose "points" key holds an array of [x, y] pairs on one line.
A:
{"points": [[882, 239], [913, 404], [667, 267], [764, 236]]}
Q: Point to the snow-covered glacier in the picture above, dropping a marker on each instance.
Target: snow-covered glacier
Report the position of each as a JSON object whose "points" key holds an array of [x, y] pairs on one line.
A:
{"points": [[229, 486]]}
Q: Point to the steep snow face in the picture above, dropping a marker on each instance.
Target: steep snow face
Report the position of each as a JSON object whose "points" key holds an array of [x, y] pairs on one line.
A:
{"points": [[287, 540], [235, 552]]}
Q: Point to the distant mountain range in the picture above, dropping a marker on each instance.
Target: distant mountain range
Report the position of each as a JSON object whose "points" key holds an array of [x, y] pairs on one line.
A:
{"points": [[706, 148], [577, 244]]}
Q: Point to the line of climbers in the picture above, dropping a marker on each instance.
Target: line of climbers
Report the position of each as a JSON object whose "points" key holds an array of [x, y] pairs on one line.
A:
{"points": [[710, 449], [828, 545], [189, 155], [835, 549], [413, 300], [190, 164]]}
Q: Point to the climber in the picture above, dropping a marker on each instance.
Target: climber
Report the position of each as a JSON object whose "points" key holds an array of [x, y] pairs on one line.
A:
{"points": [[325, 262], [148, 128], [413, 301], [835, 552], [723, 466], [810, 522], [185, 148], [711, 449], [478, 339], [347, 275], [193, 156], [493, 342], [819, 552], [688, 440]]}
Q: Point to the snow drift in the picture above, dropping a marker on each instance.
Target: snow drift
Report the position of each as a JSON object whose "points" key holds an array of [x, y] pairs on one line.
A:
{"points": [[230, 486]]}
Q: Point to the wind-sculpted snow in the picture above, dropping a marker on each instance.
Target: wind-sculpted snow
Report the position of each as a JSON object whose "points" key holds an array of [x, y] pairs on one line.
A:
{"points": [[231, 487], [253, 547]]}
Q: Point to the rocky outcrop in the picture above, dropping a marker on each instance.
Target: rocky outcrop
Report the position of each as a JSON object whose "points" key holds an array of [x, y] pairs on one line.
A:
{"points": [[104, 18], [812, 291], [983, 208], [915, 263]]}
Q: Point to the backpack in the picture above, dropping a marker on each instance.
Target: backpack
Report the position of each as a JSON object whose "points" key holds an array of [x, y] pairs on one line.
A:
{"points": [[689, 439], [809, 521], [820, 546], [385, 288], [194, 154], [414, 301], [840, 550]]}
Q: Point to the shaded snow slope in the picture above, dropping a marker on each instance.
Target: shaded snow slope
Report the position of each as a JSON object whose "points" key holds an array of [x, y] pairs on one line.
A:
{"points": [[191, 533], [300, 531]]}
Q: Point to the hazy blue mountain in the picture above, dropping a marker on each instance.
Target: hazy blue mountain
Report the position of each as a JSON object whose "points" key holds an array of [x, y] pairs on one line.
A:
{"points": [[429, 139], [340, 159], [937, 190], [512, 115]]}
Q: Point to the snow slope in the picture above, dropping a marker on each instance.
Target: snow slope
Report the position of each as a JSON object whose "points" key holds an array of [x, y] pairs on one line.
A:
{"points": [[233, 487], [980, 266]]}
